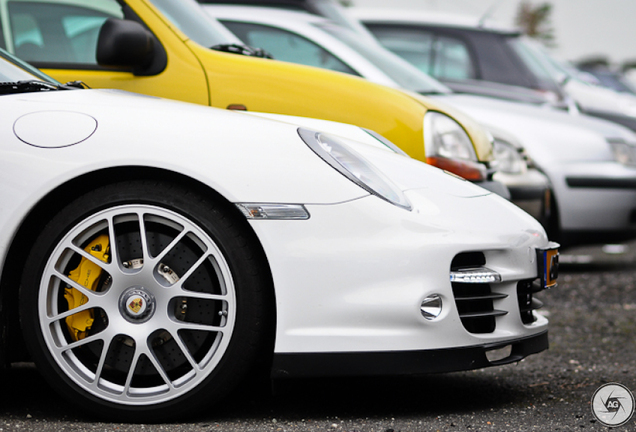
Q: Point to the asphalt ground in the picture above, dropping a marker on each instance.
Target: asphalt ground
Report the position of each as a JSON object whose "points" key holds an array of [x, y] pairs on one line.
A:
{"points": [[592, 341]]}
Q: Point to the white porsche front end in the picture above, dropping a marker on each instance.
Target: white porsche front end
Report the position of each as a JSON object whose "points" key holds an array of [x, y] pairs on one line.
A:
{"points": [[308, 246], [368, 288]]}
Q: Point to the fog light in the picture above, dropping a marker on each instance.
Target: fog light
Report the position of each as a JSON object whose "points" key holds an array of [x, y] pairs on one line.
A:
{"points": [[431, 307]]}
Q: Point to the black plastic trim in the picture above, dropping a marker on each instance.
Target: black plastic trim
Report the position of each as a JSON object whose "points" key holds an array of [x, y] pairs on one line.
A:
{"points": [[76, 66], [601, 183], [527, 193], [491, 296], [287, 365], [485, 314]]}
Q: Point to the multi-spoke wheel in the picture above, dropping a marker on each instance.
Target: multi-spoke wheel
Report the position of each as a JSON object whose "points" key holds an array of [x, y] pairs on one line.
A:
{"points": [[148, 303]]}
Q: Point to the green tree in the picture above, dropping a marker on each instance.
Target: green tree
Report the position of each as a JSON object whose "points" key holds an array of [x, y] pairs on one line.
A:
{"points": [[535, 21]]}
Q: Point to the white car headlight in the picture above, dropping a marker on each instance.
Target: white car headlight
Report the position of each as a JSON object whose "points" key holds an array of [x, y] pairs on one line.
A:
{"points": [[353, 166], [508, 159], [449, 147], [623, 152]]}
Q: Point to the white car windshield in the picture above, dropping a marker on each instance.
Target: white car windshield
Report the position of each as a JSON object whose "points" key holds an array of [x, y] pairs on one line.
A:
{"points": [[538, 61], [403, 73]]}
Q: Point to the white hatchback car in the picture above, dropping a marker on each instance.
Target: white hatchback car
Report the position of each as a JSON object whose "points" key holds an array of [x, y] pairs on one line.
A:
{"points": [[591, 163], [159, 251]]}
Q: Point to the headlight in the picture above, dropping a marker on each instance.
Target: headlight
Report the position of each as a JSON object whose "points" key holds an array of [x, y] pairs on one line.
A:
{"points": [[623, 153], [446, 138], [508, 159], [449, 147], [353, 166]]}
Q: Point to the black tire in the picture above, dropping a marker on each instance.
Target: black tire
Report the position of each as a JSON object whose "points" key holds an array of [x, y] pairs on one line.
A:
{"points": [[191, 340]]}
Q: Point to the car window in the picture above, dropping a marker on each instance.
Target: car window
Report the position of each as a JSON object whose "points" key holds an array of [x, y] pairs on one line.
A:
{"points": [[3, 43], [531, 60], [59, 33], [286, 46], [452, 59], [415, 46], [393, 66], [188, 17]]}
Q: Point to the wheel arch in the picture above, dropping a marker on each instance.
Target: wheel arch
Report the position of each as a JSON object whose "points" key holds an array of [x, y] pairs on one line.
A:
{"points": [[13, 347]]}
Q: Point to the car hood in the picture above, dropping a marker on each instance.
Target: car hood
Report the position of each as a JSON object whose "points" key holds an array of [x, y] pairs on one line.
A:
{"points": [[598, 98], [244, 158]]}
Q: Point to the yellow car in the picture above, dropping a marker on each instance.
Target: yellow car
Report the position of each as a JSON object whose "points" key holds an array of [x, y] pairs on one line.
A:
{"points": [[171, 49]]}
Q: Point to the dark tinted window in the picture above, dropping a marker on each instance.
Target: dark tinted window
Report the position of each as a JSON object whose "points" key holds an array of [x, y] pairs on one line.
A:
{"points": [[451, 59], [3, 45], [414, 45]]}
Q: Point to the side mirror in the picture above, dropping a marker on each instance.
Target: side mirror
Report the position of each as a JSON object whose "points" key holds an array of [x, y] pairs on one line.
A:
{"points": [[127, 44]]}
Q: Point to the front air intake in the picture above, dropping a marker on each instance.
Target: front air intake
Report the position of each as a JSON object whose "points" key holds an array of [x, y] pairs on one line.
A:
{"points": [[471, 282], [527, 303]]}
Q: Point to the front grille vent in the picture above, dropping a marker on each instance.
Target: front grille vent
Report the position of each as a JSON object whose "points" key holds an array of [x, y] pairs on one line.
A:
{"points": [[527, 303], [475, 300]]}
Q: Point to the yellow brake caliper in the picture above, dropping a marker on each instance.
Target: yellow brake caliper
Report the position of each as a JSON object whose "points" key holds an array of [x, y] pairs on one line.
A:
{"points": [[86, 274]]}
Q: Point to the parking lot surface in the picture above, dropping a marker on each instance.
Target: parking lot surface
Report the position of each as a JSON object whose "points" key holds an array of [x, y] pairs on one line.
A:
{"points": [[593, 318]]}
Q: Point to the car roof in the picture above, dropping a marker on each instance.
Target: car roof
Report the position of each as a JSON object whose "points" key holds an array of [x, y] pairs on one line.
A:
{"points": [[437, 19]]}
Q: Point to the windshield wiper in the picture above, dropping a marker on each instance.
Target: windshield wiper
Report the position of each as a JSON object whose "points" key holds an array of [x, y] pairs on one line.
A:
{"points": [[27, 86], [74, 85], [32, 86], [242, 50]]}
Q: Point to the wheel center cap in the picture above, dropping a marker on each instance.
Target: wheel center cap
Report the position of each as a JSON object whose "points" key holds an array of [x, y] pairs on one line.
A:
{"points": [[137, 305]]}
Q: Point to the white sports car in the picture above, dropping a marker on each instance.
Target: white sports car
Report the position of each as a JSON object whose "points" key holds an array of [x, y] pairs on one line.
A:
{"points": [[159, 251]]}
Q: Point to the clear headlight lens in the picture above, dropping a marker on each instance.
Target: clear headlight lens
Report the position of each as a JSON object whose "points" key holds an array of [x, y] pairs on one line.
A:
{"points": [[624, 153], [448, 147], [508, 159], [445, 137], [353, 166]]}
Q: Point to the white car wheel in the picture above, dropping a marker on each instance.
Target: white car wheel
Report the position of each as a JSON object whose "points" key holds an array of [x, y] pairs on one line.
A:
{"points": [[148, 303]]}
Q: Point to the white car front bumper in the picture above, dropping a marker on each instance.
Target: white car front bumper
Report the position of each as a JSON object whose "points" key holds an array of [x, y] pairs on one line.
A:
{"points": [[351, 280]]}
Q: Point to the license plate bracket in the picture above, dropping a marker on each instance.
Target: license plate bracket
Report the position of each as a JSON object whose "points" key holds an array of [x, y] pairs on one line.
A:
{"points": [[548, 263]]}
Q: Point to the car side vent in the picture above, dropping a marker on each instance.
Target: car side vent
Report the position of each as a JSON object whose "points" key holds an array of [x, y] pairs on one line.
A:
{"points": [[527, 303], [471, 282]]}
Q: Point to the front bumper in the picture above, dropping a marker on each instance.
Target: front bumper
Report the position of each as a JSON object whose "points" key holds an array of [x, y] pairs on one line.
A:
{"points": [[354, 276], [288, 365]]}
